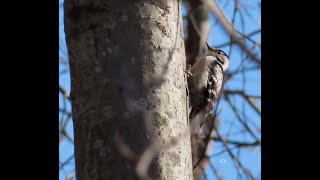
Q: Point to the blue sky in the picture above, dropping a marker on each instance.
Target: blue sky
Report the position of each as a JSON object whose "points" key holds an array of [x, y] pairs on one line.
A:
{"points": [[251, 158]]}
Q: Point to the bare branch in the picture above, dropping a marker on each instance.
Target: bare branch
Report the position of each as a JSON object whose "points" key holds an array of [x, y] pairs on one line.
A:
{"points": [[67, 161], [246, 97], [63, 132], [63, 111], [248, 35], [238, 143], [248, 173], [64, 92], [215, 9], [215, 171], [244, 123], [230, 75]]}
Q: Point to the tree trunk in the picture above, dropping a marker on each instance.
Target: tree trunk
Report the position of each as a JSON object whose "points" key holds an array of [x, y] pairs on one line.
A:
{"points": [[198, 30], [128, 88]]}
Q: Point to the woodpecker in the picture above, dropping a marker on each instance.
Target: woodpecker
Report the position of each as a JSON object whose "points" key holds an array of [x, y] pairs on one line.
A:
{"points": [[205, 81]]}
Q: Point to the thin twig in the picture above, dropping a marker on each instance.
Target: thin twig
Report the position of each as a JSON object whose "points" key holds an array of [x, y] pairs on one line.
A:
{"points": [[66, 161], [64, 92], [241, 120], [234, 157], [215, 9], [238, 143], [215, 171], [246, 97]]}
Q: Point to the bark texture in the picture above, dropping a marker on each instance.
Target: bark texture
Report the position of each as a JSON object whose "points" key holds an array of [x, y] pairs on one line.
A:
{"points": [[128, 87]]}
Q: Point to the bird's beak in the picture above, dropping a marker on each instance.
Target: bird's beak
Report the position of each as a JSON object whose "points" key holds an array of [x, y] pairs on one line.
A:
{"points": [[208, 46]]}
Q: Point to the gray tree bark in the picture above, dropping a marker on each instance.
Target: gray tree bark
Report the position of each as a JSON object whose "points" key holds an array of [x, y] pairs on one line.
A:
{"points": [[128, 88]]}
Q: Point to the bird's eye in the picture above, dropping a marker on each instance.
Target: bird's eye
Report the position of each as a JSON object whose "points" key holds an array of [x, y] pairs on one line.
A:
{"points": [[220, 52]]}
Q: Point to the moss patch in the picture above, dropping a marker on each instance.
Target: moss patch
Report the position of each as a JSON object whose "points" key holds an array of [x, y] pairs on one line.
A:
{"points": [[159, 120]]}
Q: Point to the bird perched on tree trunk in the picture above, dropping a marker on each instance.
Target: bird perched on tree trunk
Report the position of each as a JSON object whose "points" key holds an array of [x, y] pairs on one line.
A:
{"points": [[205, 81]]}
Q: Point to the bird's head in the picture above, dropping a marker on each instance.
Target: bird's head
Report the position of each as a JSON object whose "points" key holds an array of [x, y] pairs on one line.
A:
{"points": [[221, 56]]}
